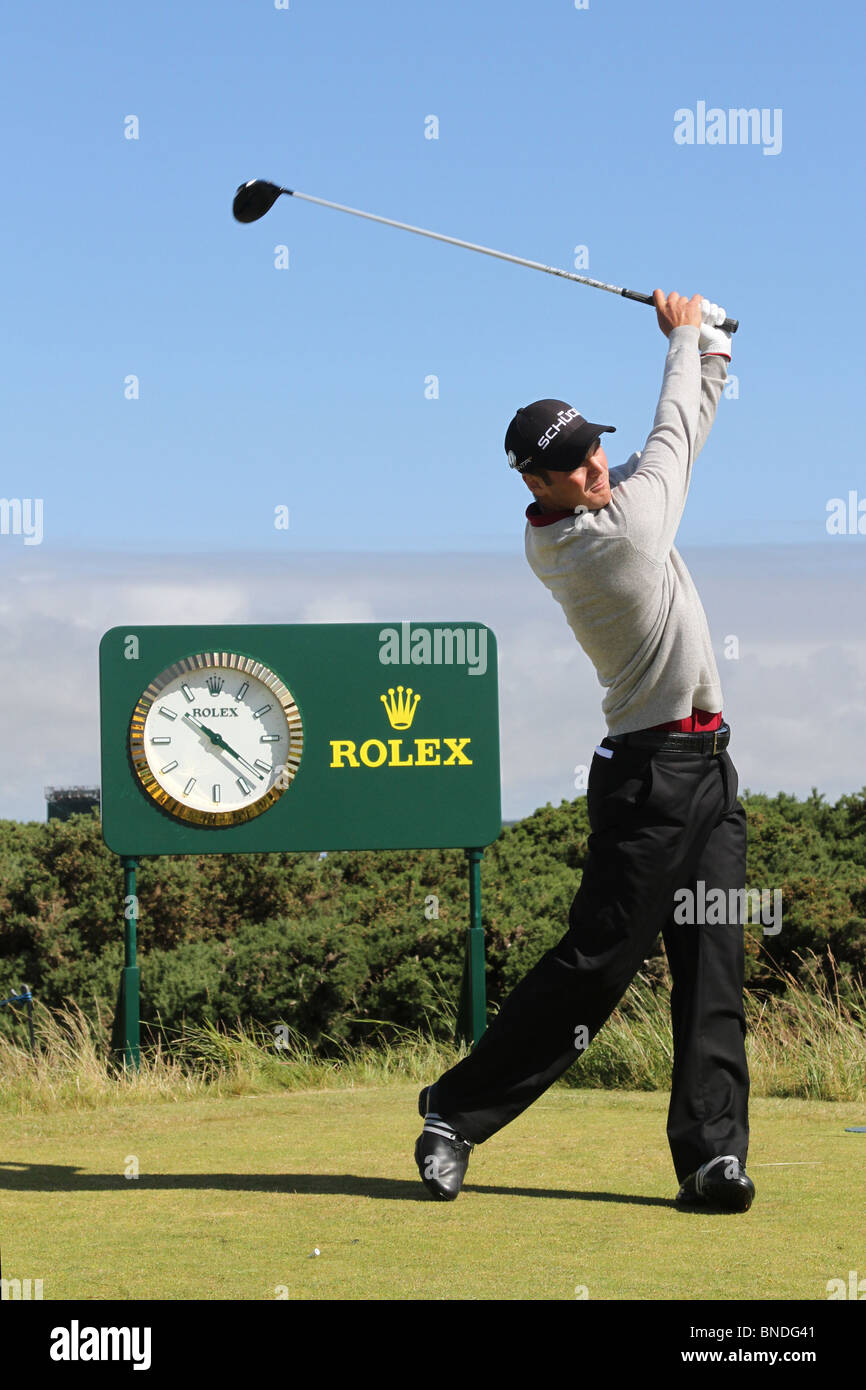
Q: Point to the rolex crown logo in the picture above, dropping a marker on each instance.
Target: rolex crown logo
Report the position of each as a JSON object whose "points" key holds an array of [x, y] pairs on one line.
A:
{"points": [[400, 710], [215, 684]]}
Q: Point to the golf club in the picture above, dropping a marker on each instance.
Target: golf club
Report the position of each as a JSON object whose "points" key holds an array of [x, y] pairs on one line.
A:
{"points": [[256, 197]]}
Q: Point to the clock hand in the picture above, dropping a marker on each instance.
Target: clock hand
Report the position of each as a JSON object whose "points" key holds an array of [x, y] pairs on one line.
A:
{"points": [[220, 742], [202, 728], [249, 767]]}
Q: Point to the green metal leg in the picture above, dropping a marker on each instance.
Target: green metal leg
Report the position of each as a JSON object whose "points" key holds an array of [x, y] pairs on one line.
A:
{"points": [[126, 1037], [472, 1011]]}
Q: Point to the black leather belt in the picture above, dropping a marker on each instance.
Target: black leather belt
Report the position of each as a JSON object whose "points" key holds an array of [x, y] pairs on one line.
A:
{"points": [[658, 739]]}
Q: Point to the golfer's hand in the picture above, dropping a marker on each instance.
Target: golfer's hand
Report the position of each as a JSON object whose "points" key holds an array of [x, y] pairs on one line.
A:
{"points": [[675, 310], [713, 338]]}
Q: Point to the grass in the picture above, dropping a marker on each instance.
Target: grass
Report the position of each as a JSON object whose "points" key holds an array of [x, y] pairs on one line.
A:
{"points": [[249, 1158], [807, 1043], [234, 1195], [73, 1065]]}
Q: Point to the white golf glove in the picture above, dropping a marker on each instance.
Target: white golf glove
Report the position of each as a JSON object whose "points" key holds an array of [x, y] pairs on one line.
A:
{"points": [[712, 338]]}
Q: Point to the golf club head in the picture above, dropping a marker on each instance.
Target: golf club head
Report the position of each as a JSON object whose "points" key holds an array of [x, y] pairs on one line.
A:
{"points": [[254, 199]]}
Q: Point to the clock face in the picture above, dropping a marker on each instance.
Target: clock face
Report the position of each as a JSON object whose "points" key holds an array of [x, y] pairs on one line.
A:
{"points": [[216, 739]]}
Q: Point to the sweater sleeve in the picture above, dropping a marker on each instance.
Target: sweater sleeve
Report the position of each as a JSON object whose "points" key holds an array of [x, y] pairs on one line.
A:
{"points": [[714, 371], [652, 497]]}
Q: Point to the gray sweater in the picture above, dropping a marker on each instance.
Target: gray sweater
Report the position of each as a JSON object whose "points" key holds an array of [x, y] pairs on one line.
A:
{"points": [[625, 591]]}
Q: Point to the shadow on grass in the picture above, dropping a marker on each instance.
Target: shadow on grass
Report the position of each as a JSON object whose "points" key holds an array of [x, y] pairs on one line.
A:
{"points": [[55, 1177]]}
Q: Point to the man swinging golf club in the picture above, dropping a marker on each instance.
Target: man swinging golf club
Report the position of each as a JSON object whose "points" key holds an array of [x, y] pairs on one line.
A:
{"points": [[662, 790]]}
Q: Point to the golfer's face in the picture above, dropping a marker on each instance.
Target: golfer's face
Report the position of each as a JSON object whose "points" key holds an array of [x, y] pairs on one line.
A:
{"points": [[587, 486]]}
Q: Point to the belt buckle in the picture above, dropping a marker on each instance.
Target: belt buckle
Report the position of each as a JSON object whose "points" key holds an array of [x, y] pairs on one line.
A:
{"points": [[715, 742]]}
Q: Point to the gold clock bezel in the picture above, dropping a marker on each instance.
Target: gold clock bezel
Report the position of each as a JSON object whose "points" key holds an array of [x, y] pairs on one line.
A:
{"points": [[231, 661]]}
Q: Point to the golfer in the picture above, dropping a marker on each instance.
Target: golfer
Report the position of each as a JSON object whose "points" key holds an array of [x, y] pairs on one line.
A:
{"points": [[661, 796]]}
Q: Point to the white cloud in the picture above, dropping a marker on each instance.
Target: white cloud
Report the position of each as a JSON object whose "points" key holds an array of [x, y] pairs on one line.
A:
{"points": [[795, 697]]}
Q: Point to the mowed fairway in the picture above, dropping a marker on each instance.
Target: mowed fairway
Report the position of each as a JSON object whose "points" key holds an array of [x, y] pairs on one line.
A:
{"points": [[234, 1195]]}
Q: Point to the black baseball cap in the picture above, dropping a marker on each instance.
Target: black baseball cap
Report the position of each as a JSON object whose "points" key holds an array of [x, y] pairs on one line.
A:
{"points": [[552, 435]]}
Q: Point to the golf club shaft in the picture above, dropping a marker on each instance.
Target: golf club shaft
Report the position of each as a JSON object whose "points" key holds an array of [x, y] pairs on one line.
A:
{"points": [[729, 325]]}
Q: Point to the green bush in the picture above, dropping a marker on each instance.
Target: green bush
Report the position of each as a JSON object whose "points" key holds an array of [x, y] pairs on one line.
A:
{"points": [[343, 946]]}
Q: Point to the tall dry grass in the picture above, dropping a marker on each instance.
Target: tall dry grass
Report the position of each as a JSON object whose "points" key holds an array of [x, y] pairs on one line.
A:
{"points": [[806, 1042]]}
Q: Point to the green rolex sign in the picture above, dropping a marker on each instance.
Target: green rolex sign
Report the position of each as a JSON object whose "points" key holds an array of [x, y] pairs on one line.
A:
{"points": [[238, 739]]}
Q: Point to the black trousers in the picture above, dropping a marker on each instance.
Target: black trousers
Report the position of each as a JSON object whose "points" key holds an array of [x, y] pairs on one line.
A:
{"points": [[661, 821]]}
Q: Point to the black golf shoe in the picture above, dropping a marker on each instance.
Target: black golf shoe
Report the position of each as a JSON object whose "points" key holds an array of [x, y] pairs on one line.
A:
{"points": [[441, 1154], [442, 1163], [721, 1184]]}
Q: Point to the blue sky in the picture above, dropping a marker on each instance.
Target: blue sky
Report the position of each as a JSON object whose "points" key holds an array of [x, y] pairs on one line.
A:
{"points": [[305, 387]]}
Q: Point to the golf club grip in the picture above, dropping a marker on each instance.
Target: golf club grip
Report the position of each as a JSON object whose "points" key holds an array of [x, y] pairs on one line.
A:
{"points": [[729, 325]]}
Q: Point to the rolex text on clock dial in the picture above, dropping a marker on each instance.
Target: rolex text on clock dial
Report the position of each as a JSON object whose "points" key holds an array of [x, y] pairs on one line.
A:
{"points": [[216, 739]]}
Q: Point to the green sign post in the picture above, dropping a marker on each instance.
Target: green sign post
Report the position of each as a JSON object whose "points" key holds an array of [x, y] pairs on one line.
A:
{"points": [[241, 739]]}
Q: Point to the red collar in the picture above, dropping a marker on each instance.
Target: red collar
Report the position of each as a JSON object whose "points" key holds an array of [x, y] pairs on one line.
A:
{"points": [[536, 517]]}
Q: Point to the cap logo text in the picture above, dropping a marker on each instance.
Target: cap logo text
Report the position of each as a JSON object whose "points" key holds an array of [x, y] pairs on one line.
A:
{"points": [[563, 418]]}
